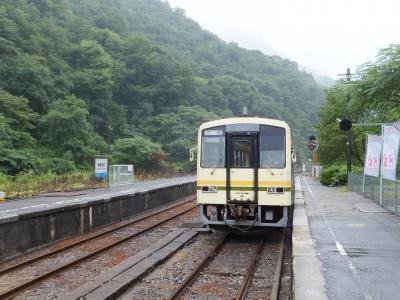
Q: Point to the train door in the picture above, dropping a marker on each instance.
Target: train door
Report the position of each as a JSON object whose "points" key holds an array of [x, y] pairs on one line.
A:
{"points": [[242, 167]]}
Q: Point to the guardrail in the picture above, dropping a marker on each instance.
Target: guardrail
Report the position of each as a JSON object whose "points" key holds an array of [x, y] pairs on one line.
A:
{"points": [[371, 190]]}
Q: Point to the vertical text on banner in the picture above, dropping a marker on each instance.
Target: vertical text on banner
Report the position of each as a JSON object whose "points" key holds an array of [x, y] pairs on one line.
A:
{"points": [[373, 157], [391, 139]]}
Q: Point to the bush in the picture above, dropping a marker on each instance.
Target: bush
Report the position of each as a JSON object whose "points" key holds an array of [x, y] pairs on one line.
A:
{"points": [[334, 175], [140, 151]]}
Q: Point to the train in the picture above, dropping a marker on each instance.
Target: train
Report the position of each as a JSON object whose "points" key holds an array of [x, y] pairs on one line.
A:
{"points": [[244, 173]]}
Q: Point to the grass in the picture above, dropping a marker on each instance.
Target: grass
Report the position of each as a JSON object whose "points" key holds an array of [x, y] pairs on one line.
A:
{"points": [[344, 189], [27, 184]]}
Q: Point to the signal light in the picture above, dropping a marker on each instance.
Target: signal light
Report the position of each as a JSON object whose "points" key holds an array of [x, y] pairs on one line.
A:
{"points": [[345, 125], [312, 145]]}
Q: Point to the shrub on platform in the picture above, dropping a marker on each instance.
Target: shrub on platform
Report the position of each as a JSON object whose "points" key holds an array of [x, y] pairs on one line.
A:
{"points": [[336, 174]]}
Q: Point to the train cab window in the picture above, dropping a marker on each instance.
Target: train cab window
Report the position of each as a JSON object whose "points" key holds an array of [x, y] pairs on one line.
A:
{"points": [[213, 148], [242, 152], [272, 147]]}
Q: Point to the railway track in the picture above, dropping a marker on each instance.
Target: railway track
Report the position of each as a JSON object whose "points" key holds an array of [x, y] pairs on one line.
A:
{"points": [[176, 211], [249, 274]]}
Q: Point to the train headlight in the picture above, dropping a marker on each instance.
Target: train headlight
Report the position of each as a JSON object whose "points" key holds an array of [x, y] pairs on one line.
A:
{"points": [[213, 189], [209, 189], [275, 190]]}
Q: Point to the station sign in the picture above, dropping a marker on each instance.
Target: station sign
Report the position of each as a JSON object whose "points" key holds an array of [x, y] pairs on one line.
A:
{"points": [[101, 167]]}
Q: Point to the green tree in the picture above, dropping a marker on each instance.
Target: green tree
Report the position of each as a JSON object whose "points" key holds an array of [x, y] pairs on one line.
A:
{"points": [[375, 97], [139, 151], [16, 122], [66, 128], [178, 131]]}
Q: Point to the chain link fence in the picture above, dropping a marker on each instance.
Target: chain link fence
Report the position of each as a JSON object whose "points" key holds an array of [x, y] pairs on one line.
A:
{"points": [[371, 190]]}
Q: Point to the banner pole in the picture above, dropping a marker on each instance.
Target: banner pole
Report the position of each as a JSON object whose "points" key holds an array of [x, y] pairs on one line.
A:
{"points": [[365, 162], [381, 181]]}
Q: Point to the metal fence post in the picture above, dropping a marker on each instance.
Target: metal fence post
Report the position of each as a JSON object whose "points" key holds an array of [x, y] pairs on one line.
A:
{"points": [[396, 191], [381, 181]]}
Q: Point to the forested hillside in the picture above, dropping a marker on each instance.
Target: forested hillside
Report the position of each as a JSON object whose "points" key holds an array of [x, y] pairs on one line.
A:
{"points": [[71, 70]]}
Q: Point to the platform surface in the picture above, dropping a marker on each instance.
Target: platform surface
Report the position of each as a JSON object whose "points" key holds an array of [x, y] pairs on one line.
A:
{"points": [[53, 200], [356, 241]]}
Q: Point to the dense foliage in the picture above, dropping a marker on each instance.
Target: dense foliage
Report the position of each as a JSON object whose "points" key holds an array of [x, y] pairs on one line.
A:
{"points": [[375, 97], [72, 69], [336, 174]]}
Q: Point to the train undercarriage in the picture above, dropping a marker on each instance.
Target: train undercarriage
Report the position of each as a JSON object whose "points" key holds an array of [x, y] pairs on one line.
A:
{"points": [[243, 216]]}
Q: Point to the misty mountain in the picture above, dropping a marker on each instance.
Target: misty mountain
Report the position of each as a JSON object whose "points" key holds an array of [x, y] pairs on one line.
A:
{"points": [[136, 70], [251, 42]]}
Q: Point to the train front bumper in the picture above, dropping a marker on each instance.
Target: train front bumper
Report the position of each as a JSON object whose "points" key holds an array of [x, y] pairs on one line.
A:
{"points": [[264, 216]]}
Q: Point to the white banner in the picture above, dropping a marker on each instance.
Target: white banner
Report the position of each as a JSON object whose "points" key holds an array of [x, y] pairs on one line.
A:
{"points": [[391, 139], [373, 156]]}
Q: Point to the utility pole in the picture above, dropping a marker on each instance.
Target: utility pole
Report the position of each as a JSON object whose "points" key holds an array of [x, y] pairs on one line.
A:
{"points": [[349, 137], [109, 139]]}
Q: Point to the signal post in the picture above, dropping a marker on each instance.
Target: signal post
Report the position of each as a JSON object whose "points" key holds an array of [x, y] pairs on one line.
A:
{"points": [[313, 147]]}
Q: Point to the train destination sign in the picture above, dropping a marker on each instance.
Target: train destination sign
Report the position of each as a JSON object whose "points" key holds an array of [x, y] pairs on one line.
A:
{"points": [[373, 156]]}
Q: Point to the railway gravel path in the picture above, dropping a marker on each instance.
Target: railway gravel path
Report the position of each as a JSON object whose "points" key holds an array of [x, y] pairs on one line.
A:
{"points": [[66, 266]]}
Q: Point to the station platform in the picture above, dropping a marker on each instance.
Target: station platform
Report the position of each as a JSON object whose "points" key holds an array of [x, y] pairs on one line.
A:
{"points": [[61, 199], [30, 224], [344, 245]]}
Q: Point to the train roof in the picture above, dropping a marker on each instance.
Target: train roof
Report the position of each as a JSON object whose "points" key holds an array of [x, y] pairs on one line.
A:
{"points": [[247, 120]]}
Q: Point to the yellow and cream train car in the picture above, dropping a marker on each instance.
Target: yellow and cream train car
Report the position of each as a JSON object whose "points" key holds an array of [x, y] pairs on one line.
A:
{"points": [[244, 168]]}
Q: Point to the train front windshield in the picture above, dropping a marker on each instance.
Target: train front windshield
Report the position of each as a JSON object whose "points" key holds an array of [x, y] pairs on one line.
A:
{"points": [[213, 152], [271, 144], [272, 147]]}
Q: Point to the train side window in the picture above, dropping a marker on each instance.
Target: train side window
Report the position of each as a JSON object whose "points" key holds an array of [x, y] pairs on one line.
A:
{"points": [[213, 148], [272, 147]]}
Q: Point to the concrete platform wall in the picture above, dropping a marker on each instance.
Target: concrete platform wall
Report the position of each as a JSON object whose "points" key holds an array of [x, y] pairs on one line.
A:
{"points": [[30, 231]]}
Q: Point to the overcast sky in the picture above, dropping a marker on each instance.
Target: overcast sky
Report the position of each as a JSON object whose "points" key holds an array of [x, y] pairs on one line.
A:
{"points": [[325, 35]]}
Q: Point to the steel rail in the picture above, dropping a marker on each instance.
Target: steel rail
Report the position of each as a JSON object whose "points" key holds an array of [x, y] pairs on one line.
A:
{"points": [[196, 272], [92, 237], [250, 271], [8, 294], [278, 271]]}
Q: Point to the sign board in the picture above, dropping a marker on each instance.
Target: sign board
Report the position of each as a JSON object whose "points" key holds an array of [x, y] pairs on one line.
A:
{"points": [[101, 167], [373, 155], [2, 196], [391, 139]]}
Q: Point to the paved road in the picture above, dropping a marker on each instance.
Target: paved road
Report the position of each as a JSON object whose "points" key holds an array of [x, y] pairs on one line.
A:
{"points": [[357, 241], [51, 200]]}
